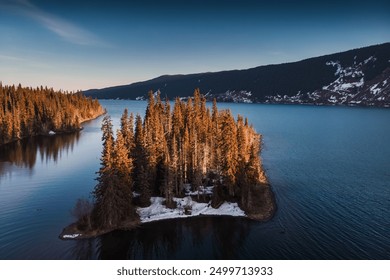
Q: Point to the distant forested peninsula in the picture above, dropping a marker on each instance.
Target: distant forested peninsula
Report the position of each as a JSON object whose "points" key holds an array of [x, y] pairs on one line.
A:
{"points": [[26, 111], [185, 161]]}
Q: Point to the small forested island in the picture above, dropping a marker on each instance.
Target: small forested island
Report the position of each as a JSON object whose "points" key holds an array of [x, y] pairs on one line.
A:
{"points": [[26, 111], [172, 163]]}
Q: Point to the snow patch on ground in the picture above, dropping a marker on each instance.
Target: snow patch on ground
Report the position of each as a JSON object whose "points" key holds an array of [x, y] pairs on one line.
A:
{"points": [[371, 58], [335, 63], [202, 190], [374, 90], [157, 211], [71, 236], [348, 77]]}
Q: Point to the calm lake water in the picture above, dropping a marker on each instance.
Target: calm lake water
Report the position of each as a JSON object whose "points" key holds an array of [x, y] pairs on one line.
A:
{"points": [[329, 168]]}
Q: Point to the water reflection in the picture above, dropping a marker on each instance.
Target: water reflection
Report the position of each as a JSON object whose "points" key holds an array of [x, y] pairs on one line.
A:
{"points": [[230, 238], [24, 153], [178, 239], [83, 249]]}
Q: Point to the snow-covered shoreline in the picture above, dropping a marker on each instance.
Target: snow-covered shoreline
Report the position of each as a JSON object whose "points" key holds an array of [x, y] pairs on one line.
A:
{"points": [[157, 211], [186, 207]]}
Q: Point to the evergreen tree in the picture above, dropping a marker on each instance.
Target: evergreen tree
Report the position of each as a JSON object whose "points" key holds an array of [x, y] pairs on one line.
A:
{"points": [[214, 137], [126, 124], [113, 193], [123, 164], [104, 188], [108, 144], [229, 151], [140, 174]]}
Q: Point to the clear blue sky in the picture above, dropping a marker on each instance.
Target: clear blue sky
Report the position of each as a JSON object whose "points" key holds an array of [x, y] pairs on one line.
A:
{"points": [[95, 44]]}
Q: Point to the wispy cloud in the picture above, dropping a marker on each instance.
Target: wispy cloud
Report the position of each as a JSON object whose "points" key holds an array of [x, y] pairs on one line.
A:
{"points": [[63, 28], [10, 58], [24, 62]]}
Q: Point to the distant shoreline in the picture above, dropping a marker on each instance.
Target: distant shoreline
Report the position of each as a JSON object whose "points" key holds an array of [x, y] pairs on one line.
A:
{"points": [[58, 132]]}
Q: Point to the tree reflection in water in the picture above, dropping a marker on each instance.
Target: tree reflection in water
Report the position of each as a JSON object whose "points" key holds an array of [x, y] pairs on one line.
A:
{"points": [[83, 249], [192, 238], [24, 153]]}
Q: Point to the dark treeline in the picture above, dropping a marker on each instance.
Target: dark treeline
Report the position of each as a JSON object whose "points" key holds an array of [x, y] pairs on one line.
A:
{"points": [[33, 111], [168, 148]]}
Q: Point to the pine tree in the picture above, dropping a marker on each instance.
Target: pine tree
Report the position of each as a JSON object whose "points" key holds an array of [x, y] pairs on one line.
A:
{"points": [[214, 137], [123, 164], [140, 174], [242, 140], [177, 144], [229, 151], [108, 144], [104, 188], [126, 124], [113, 193]]}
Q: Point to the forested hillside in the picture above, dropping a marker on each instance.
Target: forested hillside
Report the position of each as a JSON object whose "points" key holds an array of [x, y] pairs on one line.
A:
{"points": [[354, 77], [27, 112]]}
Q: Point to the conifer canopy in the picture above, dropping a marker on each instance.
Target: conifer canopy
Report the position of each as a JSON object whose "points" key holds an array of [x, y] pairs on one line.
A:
{"points": [[188, 144]]}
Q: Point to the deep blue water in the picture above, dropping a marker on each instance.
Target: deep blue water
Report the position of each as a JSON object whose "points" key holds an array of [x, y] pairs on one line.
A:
{"points": [[329, 168]]}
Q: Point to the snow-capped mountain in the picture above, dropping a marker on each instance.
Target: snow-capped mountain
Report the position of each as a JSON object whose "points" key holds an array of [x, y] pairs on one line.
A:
{"points": [[350, 87], [356, 77]]}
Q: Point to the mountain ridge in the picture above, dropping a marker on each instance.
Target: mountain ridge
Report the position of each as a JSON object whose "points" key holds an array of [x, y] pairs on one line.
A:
{"points": [[354, 77]]}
